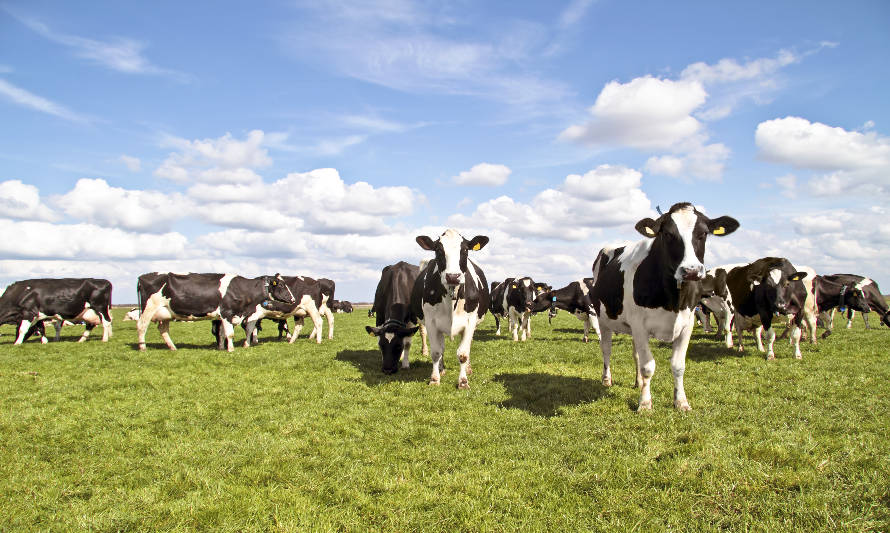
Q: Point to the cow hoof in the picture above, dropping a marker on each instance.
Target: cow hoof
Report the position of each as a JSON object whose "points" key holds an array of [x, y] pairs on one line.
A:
{"points": [[463, 384], [607, 382], [43, 340], [682, 406], [798, 356], [434, 381], [645, 406], [771, 357]]}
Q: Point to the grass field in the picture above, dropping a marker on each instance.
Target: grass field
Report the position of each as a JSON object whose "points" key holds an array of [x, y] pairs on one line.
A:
{"points": [[308, 437]]}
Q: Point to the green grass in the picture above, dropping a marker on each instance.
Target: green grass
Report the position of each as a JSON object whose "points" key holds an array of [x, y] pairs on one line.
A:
{"points": [[308, 437]]}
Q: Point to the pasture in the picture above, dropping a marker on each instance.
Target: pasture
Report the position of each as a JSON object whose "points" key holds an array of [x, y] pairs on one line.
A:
{"points": [[308, 437]]}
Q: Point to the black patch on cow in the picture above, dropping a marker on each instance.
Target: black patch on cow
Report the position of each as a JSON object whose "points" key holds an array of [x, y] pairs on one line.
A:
{"points": [[608, 290]]}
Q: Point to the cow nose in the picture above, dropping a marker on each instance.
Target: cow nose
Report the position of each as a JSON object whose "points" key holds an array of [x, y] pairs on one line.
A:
{"points": [[692, 273], [452, 279]]}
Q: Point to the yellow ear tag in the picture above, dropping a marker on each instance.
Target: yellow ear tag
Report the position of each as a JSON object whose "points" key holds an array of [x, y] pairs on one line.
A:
{"points": [[795, 278], [719, 231], [477, 246], [649, 231], [371, 333], [514, 285]]}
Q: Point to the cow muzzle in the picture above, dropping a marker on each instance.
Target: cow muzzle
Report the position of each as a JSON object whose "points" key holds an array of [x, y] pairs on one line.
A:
{"points": [[452, 279], [694, 273]]}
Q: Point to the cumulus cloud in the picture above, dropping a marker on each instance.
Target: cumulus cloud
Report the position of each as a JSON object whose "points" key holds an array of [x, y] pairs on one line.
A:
{"points": [[484, 174], [224, 159], [604, 197], [133, 164], [703, 161], [96, 202], [22, 201]]}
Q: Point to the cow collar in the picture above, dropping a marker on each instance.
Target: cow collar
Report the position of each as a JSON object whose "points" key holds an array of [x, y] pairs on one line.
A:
{"points": [[393, 321]]}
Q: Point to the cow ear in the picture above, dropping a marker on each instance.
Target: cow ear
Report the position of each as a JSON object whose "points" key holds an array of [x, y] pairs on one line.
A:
{"points": [[722, 226], [647, 227], [797, 276], [477, 243], [541, 286], [374, 332], [425, 242]]}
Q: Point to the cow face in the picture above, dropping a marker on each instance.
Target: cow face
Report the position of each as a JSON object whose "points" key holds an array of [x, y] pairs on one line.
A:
{"points": [[854, 297], [522, 293], [391, 339], [278, 289], [451, 256], [775, 290], [679, 238]]}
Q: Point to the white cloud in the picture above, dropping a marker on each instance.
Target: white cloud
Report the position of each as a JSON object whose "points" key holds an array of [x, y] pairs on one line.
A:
{"points": [[20, 96], [730, 70], [22, 201], [798, 142], [216, 160], [574, 12], [704, 161], [96, 202], [133, 164], [484, 174]]}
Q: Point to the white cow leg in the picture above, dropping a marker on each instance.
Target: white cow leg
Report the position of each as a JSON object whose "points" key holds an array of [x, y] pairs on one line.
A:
{"points": [[463, 354], [250, 334], [646, 366], [86, 333], [424, 341], [229, 331], [771, 337], [795, 340], [106, 329], [298, 327], [23, 330], [526, 326], [606, 348], [57, 325], [850, 316], [406, 353], [638, 379], [514, 327], [758, 336], [437, 347], [497, 323], [151, 307], [164, 330], [831, 319], [330, 316], [678, 368]]}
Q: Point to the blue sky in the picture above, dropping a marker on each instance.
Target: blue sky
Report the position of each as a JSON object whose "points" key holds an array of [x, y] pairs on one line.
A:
{"points": [[321, 137]]}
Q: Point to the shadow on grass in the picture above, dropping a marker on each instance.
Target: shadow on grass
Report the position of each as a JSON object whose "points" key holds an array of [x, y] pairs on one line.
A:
{"points": [[700, 352], [545, 394], [179, 346], [370, 363]]}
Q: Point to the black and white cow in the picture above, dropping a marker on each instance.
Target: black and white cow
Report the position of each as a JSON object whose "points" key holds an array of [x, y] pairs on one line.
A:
{"points": [[309, 295], [718, 301], [574, 298], [30, 302], [342, 306], [450, 296], [832, 293], [513, 299], [650, 289], [227, 297], [396, 322], [872, 293], [761, 290]]}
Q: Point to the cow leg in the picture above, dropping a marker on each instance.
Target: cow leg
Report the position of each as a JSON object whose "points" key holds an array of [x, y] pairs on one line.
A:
{"points": [[645, 366], [425, 346], [865, 319], [830, 322], [606, 348], [57, 325], [316, 322], [106, 329], [758, 336], [298, 327], [23, 329], [678, 368], [164, 330], [497, 323], [514, 326], [850, 314], [638, 379], [228, 330], [771, 337], [151, 307], [282, 329], [437, 347], [810, 321], [330, 316], [586, 321], [738, 333], [795, 340], [525, 325], [463, 354], [86, 332], [406, 353], [250, 333], [705, 321]]}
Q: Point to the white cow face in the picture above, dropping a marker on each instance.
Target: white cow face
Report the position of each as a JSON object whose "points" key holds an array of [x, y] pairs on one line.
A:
{"points": [[680, 236], [451, 256]]}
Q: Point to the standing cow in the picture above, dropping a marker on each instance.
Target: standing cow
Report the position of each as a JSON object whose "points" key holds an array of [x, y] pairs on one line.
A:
{"points": [[514, 299], [396, 322], [29, 303], [574, 298], [650, 289], [450, 296], [872, 292]]}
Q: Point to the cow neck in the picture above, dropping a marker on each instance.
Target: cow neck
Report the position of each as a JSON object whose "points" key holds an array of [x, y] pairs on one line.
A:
{"points": [[654, 285]]}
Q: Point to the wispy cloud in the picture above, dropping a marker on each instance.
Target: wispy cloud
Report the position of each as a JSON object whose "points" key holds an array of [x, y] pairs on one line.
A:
{"points": [[24, 98], [120, 54]]}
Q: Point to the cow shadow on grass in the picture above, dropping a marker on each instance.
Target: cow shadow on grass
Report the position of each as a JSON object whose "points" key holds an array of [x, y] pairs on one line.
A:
{"points": [[701, 352], [545, 395], [369, 363]]}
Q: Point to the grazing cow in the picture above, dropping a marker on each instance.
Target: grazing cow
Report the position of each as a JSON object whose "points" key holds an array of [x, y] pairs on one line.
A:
{"points": [[30, 302], [650, 289], [309, 297], [717, 299], [872, 293], [514, 299], [227, 297], [574, 298], [342, 306], [396, 322], [830, 294], [760, 290], [450, 296]]}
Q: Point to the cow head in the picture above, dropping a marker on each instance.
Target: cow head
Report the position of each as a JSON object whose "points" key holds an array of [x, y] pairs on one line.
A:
{"points": [[777, 287], [451, 256], [275, 288], [391, 339], [679, 238], [521, 294]]}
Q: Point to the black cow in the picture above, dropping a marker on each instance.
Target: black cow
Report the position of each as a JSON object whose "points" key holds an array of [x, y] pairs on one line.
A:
{"points": [[30, 302], [396, 322], [513, 299], [230, 298], [342, 306], [760, 290], [649, 289], [574, 298], [450, 297], [872, 292]]}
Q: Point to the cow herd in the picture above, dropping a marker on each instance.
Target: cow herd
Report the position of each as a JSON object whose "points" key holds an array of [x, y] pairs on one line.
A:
{"points": [[655, 287]]}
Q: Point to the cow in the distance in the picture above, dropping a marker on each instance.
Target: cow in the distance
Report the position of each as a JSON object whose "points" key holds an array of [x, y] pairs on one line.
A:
{"points": [[227, 297], [573, 298], [650, 289], [872, 293], [396, 322], [30, 302], [514, 299], [308, 301], [830, 294], [342, 306], [450, 296], [761, 290]]}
